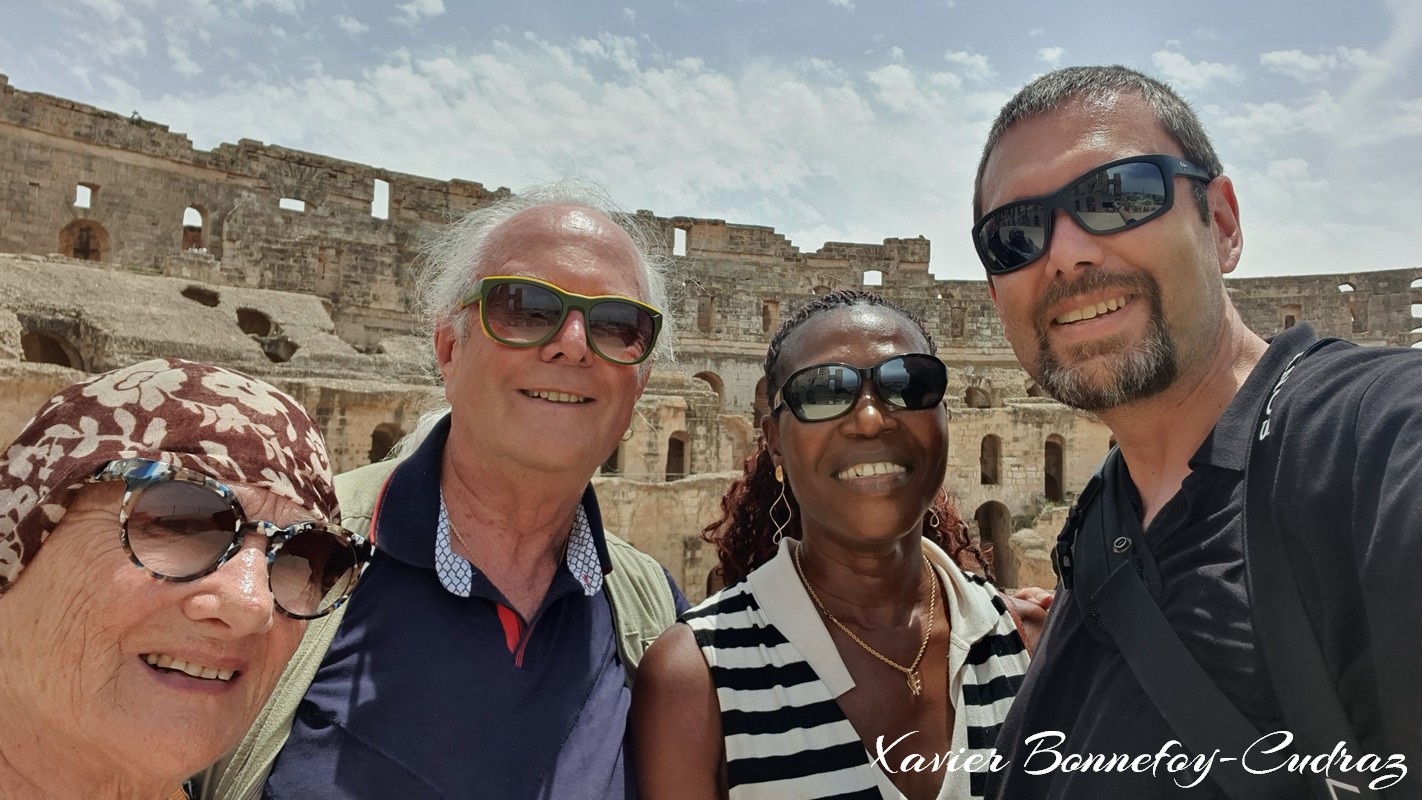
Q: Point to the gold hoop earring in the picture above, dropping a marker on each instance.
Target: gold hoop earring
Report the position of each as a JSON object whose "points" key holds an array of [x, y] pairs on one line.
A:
{"points": [[780, 526], [933, 519]]}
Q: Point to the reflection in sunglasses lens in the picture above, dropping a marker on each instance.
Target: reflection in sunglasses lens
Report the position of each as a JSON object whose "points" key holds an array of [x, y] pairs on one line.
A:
{"points": [[311, 571], [620, 331], [522, 312], [179, 529]]}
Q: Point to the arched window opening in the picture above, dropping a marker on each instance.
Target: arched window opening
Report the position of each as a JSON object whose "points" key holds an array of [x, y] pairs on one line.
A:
{"points": [[994, 524], [292, 204], [1292, 314], [822, 290], [977, 397], [193, 222], [1417, 334], [84, 239], [714, 381], [84, 195], [382, 439], [705, 313], [1345, 287], [873, 277], [1054, 456], [990, 460], [1035, 389], [40, 347], [676, 456], [769, 316], [1416, 284]]}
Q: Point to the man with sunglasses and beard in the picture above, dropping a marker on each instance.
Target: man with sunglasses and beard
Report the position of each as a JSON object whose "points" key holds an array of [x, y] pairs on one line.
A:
{"points": [[491, 650], [1122, 310]]}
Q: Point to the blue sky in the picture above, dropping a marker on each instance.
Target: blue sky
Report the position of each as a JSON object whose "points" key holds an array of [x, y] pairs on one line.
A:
{"points": [[829, 120]]}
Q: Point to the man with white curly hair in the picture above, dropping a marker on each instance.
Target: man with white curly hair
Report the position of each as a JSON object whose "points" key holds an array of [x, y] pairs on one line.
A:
{"points": [[491, 651]]}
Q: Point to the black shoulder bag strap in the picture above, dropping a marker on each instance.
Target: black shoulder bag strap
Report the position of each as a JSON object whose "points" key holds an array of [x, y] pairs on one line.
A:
{"points": [[1306, 692], [1117, 582]]}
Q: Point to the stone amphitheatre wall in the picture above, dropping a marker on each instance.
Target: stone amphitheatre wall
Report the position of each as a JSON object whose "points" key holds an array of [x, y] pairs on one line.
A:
{"points": [[120, 241]]}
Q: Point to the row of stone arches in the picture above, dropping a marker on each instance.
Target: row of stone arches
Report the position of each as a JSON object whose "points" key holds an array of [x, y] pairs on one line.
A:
{"points": [[1053, 463], [677, 463]]}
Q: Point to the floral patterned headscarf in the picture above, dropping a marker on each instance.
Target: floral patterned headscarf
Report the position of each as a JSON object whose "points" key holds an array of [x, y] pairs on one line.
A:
{"points": [[218, 422]]}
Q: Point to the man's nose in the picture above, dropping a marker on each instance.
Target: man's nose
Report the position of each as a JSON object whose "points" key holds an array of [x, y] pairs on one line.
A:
{"points": [[1072, 248], [571, 340]]}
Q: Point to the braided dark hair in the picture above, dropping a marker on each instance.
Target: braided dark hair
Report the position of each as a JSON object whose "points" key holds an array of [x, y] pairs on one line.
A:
{"points": [[743, 534]]}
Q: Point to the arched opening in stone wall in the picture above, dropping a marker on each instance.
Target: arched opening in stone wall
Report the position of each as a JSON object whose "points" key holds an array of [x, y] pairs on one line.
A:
{"points": [[1035, 389], [705, 313], [1054, 457], [1417, 310], [382, 439], [292, 204], [676, 456], [1292, 314], [769, 315], [714, 381], [978, 397], [84, 239], [959, 322], [1417, 334], [194, 220], [253, 322], [42, 347], [380, 199], [1345, 287], [873, 277], [84, 195], [990, 459], [822, 290], [1358, 319], [1416, 284], [203, 295], [994, 524], [613, 463], [760, 405]]}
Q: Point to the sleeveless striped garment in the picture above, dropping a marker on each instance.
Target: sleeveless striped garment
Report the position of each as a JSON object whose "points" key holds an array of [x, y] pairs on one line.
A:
{"points": [[777, 674]]}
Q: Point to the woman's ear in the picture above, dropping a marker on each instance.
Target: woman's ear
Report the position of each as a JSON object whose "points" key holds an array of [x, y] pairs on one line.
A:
{"points": [[770, 432]]}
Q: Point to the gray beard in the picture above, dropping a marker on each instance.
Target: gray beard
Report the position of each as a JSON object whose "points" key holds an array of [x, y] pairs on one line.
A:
{"points": [[1139, 371]]}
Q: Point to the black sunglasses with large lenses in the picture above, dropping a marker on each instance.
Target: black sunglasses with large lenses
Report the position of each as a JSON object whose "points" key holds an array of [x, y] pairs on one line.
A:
{"points": [[180, 525], [913, 382], [526, 312], [1107, 199]]}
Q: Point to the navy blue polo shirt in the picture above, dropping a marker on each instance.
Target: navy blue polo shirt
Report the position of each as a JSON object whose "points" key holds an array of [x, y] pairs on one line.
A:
{"points": [[427, 694]]}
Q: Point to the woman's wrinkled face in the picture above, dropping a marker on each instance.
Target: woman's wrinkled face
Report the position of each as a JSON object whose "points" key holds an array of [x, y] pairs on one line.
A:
{"points": [[82, 631], [869, 476]]}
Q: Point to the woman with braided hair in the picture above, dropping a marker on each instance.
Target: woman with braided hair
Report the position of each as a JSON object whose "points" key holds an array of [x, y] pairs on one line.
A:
{"points": [[852, 655]]}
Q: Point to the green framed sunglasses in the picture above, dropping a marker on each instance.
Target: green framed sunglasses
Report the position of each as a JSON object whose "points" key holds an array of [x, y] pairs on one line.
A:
{"points": [[526, 312]]}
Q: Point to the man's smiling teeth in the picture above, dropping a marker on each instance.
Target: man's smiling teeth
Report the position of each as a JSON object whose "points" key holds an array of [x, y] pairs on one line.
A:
{"points": [[557, 397], [1091, 312], [195, 670], [870, 470]]}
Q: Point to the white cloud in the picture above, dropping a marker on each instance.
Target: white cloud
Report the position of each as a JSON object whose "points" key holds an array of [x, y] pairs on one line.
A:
{"points": [[1307, 68], [975, 64], [288, 7], [416, 11], [846, 4], [896, 55], [351, 26], [1051, 55], [629, 14], [181, 60], [1188, 76]]}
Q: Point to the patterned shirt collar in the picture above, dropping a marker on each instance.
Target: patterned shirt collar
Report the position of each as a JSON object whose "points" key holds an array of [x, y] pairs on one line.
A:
{"points": [[456, 575]]}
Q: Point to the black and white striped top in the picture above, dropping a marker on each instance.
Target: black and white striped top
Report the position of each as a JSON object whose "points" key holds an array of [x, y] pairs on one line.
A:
{"points": [[777, 674]]}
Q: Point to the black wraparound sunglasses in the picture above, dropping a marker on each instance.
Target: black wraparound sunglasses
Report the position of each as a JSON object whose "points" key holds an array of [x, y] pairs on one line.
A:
{"points": [[913, 382], [1106, 199]]}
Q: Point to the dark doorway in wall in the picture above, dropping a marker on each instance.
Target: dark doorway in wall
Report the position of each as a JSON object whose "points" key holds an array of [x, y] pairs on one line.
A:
{"points": [[383, 439], [41, 347], [990, 459], [994, 523], [1054, 456], [84, 239], [676, 456]]}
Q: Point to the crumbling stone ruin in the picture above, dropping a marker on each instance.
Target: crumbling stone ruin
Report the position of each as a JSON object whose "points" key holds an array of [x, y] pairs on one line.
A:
{"points": [[119, 241]]}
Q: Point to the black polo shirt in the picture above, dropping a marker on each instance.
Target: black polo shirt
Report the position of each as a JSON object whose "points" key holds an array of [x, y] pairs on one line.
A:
{"points": [[426, 694], [1348, 499]]}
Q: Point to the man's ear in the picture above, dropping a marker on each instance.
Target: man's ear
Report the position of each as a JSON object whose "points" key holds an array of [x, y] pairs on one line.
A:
{"points": [[445, 339], [1224, 219]]}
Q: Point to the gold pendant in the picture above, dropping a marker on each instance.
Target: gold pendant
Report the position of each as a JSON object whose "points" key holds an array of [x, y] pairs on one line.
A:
{"points": [[915, 683]]}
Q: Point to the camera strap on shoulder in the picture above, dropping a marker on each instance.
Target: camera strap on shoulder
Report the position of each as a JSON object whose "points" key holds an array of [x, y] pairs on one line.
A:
{"points": [[1116, 582]]}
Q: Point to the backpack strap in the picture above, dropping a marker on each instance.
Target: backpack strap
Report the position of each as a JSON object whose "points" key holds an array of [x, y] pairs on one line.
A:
{"points": [[1306, 691], [1118, 587]]}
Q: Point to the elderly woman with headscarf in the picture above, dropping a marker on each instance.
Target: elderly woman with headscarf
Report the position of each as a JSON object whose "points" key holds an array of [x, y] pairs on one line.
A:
{"points": [[165, 531]]}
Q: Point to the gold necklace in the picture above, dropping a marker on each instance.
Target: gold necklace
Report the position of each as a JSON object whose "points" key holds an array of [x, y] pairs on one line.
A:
{"points": [[911, 672]]}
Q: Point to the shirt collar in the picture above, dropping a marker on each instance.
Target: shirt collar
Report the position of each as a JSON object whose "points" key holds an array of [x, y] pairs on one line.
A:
{"points": [[408, 518], [1227, 446], [580, 558]]}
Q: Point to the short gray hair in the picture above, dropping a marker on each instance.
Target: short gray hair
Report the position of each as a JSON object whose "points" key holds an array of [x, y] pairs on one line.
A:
{"points": [[453, 259], [1059, 87]]}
